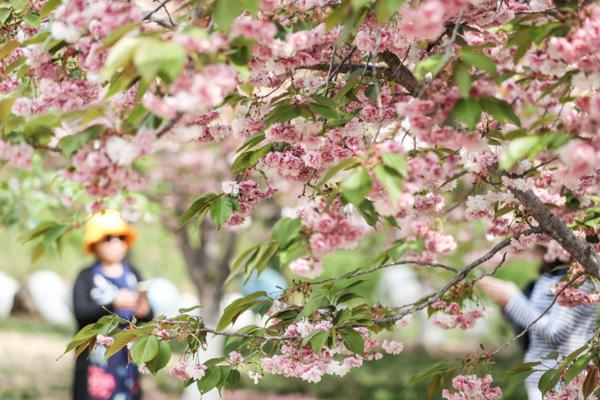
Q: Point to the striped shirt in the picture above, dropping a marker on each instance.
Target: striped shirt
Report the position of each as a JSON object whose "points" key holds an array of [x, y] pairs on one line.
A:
{"points": [[561, 329]]}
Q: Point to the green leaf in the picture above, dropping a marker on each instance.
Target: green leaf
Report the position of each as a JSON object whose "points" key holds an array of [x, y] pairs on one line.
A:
{"points": [[118, 33], [33, 20], [226, 11], [324, 111], [478, 60], [318, 341], [19, 5], [549, 380], [144, 349], [282, 113], [250, 158], [431, 65], [210, 379], [397, 162], [251, 142], [153, 57], [8, 47], [4, 14], [384, 9], [342, 165], [221, 209], [312, 305], [200, 206], [467, 111], [367, 210], [324, 101], [578, 365], [233, 311], [233, 378], [434, 385], [120, 340], [286, 230], [500, 110], [53, 234], [463, 79], [119, 56], [357, 186], [48, 7], [353, 340], [5, 108], [390, 179], [39, 230], [37, 252], [516, 150], [162, 358], [262, 258], [70, 144], [591, 382], [523, 39]]}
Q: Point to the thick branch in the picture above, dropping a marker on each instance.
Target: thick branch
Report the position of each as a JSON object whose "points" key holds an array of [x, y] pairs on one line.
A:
{"points": [[395, 70], [559, 231]]}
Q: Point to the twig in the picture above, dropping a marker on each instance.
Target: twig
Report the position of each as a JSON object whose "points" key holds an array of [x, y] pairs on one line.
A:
{"points": [[151, 13], [169, 125], [462, 274], [359, 272]]}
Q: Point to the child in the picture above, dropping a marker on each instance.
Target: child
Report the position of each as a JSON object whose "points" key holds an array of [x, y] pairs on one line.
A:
{"points": [[109, 285]]}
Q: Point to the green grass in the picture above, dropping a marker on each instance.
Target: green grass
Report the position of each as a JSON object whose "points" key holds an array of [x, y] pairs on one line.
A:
{"points": [[31, 325]]}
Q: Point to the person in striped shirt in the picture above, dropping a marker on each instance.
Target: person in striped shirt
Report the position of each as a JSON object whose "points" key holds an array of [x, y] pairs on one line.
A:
{"points": [[551, 327]]}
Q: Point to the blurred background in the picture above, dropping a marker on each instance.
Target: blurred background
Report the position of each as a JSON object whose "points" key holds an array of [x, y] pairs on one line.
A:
{"points": [[36, 325]]}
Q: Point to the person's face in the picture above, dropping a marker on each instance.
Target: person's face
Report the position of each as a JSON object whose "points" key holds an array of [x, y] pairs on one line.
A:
{"points": [[112, 248]]}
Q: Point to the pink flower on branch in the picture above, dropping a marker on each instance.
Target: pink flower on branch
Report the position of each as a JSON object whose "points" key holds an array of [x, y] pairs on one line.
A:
{"points": [[472, 387]]}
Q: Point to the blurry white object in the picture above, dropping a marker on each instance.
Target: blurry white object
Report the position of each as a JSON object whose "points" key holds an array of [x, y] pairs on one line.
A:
{"points": [[398, 286], [163, 296], [51, 296], [8, 289]]}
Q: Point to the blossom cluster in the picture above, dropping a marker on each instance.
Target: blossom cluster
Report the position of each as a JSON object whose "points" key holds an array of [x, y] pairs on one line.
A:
{"points": [[472, 387], [188, 370], [451, 315], [16, 154], [248, 195], [302, 362]]}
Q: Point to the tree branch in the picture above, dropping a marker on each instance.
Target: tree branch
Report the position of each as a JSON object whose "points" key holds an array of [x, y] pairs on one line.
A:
{"points": [[169, 125], [395, 70], [462, 274], [582, 252]]}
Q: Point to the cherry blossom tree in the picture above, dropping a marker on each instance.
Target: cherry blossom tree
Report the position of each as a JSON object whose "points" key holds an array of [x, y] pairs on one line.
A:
{"points": [[409, 118]]}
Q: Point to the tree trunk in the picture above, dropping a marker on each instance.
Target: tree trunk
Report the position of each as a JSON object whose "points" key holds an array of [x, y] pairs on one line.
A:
{"points": [[207, 272]]}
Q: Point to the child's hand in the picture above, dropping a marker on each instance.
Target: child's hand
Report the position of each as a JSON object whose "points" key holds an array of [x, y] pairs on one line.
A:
{"points": [[499, 291], [126, 300], [142, 307]]}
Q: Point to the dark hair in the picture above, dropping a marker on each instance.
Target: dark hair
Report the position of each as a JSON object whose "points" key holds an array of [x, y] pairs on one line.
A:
{"points": [[553, 267]]}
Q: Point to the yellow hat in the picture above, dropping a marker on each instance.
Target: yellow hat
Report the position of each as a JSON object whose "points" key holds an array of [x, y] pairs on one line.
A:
{"points": [[107, 222]]}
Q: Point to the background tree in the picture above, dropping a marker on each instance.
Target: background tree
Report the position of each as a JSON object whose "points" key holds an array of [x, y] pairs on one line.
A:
{"points": [[379, 112]]}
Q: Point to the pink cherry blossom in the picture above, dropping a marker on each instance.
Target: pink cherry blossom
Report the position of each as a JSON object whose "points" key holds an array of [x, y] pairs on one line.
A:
{"points": [[471, 387], [392, 347], [104, 340]]}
